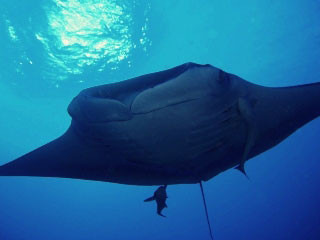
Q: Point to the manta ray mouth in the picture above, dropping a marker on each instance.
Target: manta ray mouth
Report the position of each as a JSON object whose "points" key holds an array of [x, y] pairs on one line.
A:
{"points": [[145, 111], [119, 101], [113, 102]]}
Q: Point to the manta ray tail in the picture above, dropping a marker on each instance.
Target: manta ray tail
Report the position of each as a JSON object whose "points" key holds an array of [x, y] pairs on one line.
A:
{"points": [[206, 210]]}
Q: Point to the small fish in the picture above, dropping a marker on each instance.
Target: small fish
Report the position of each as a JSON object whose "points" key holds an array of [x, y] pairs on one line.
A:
{"points": [[160, 196]]}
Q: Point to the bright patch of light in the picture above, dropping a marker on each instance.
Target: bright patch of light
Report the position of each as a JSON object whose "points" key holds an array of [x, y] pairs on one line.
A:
{"points": [[11, 31], [39, 37], [100, 45], [92, 32]]}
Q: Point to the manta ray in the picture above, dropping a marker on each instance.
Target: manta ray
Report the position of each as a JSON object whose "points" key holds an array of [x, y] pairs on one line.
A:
{"points": [[183, 125]]}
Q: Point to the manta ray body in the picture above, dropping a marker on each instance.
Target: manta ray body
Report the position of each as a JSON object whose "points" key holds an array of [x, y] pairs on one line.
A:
{"points": [[179, 126]]}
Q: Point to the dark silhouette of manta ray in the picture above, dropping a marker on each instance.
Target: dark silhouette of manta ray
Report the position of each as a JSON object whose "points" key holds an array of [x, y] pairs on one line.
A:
{"points": [[183, 125]]}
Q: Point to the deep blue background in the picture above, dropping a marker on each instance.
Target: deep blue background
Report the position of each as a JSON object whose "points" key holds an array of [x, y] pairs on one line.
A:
{"points": [[273, 43]]}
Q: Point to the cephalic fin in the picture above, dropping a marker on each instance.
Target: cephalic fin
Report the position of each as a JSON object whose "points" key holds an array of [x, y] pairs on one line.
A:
{"points": [[241, 168], [246, 112]]}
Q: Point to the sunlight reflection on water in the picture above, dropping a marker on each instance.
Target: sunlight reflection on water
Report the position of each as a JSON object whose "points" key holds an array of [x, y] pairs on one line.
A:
{"points": [[90, 33], [75, 39]]}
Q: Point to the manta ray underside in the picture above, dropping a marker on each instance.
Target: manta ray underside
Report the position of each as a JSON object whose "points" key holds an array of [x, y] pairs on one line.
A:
{"points": [[179, 126]]}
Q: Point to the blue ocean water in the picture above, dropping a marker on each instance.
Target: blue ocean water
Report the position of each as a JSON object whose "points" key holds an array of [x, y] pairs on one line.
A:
{"points": [[50, 50]]}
